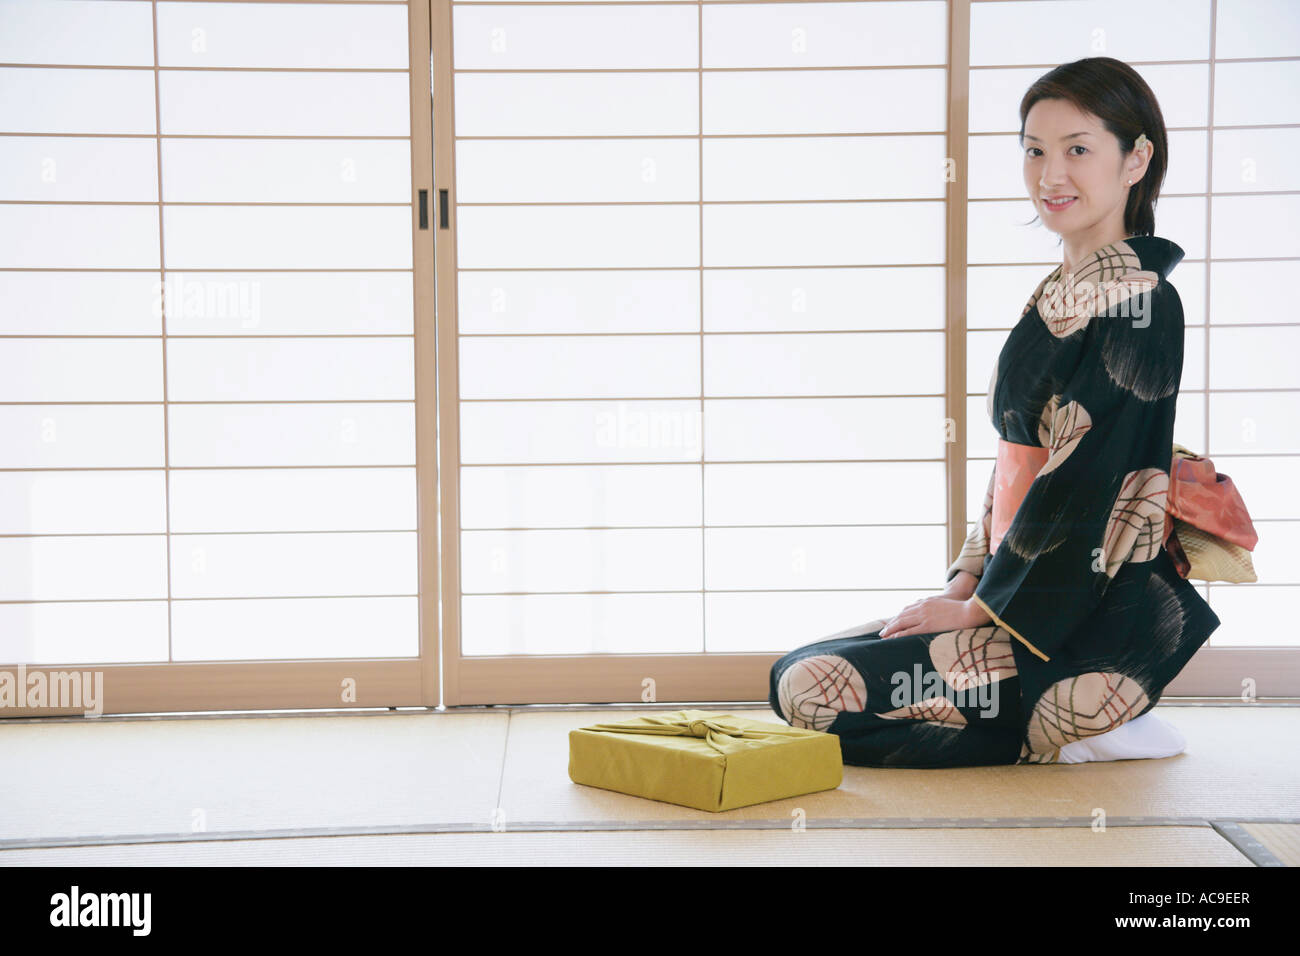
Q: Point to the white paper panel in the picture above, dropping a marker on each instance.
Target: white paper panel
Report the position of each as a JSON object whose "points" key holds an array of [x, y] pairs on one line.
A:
{"points": [[105, 530], [978, 471], [1189, 422], [800, 300], [84, 632], [293, 499], [543, 366], [39, 236], [577, 301], [794, 493], [1194, 346], [981, 434], [834, 363], [1254, 616], [1254, 292], [217, 370], [1188, 280], [81, 436], [576, 38], [577, 104], [82, 502], [832, 167], [643, 559], [103, 303], [823, 234], [982, 350], [286, 565], [578, 170], [71, 566], [1255, 423], [1256, 160], [85, 169], [824, 34], [500, 237], [582, 624], [286, 170], [572, 432], [379, 433], [756, 559], [1249, 28], [814, 429], [1254, 358], [780, 621], [306, 628], [269, 303], [1057, 31], [79, 370], [1267, 484], [1182, 219], [287, 237], [210, 103], [825, 101], [304, 35], [996, 297], [1240, 98], [1276, 557], [77, 101], [579, 496], [1255, 227], [86, 32]]}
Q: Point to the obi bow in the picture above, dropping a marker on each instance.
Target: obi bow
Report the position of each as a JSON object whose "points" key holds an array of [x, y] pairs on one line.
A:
{"points": [[720, 734]]}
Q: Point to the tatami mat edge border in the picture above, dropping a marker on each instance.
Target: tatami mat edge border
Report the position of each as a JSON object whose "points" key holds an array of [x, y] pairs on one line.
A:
{"points": [[1238, 836], [1226, 828]]}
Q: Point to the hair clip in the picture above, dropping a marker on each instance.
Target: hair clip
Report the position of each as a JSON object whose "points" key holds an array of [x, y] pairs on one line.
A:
{"points": [[1141, 141]]}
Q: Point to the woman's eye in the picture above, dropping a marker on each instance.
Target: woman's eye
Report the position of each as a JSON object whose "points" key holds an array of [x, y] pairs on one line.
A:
{"points": [[1034, 149]]}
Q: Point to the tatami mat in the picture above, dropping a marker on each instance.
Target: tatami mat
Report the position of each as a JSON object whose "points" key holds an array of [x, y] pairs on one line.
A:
{"points": [[1239, 763], [170, 776], [119, 779], [1078, 846]]}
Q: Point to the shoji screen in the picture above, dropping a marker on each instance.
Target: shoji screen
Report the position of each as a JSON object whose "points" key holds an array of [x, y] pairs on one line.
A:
{"points": [[700, 351], [1227, 75], [207, 378]]}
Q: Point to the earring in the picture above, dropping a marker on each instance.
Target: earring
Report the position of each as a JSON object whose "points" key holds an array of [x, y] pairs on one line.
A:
{"points": [[1130, 182]]}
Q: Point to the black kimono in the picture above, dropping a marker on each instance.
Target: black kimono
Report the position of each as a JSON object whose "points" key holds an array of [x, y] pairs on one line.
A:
{"points": [[1090, 619]]}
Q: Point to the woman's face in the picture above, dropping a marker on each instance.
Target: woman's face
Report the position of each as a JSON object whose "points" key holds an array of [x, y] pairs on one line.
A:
{"points": [[1085, 170]]}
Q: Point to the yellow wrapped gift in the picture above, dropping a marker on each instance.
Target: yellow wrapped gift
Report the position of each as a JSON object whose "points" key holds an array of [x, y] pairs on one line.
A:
{"points": [[705, 760]]}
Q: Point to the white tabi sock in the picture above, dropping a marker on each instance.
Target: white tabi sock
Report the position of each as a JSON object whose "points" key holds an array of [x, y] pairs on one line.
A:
{"points": [[1142, 737]]}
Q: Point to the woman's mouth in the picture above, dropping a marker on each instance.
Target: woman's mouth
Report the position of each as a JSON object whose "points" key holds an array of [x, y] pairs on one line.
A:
{"points": [[1056, 205]]}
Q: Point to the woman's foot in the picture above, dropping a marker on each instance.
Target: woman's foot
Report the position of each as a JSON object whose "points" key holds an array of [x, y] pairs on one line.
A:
{"points": [[1142, 737]]}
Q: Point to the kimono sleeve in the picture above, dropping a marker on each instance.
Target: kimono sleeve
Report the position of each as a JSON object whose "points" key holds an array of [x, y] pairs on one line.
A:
{"points": [[976, 545], [1099, 500]]}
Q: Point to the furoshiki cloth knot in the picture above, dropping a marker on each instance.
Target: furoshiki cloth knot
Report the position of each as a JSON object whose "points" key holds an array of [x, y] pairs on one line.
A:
{"points": [[722, 735]]}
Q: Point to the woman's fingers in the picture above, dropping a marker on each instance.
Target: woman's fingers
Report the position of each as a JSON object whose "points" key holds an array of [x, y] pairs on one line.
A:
{"points": [[896, 623]]}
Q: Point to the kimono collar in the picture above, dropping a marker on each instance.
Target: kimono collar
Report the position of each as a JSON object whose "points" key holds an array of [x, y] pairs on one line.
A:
{"points": [[1108, 275], [1157, 254]]}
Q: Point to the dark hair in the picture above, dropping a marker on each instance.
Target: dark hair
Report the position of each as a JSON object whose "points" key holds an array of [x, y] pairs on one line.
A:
{"points": [[1112, 91]]}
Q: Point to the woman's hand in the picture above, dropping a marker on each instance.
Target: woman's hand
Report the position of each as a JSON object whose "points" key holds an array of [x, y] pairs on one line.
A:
{"points": [[938, 613]]}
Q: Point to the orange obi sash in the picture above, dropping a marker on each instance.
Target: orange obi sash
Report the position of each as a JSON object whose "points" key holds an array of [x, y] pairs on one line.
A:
{"points": [[1197, 494], [1016, 469]]}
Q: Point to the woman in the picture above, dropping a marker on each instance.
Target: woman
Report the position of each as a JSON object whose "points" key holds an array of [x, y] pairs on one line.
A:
{"points": [[1064, 617]]}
